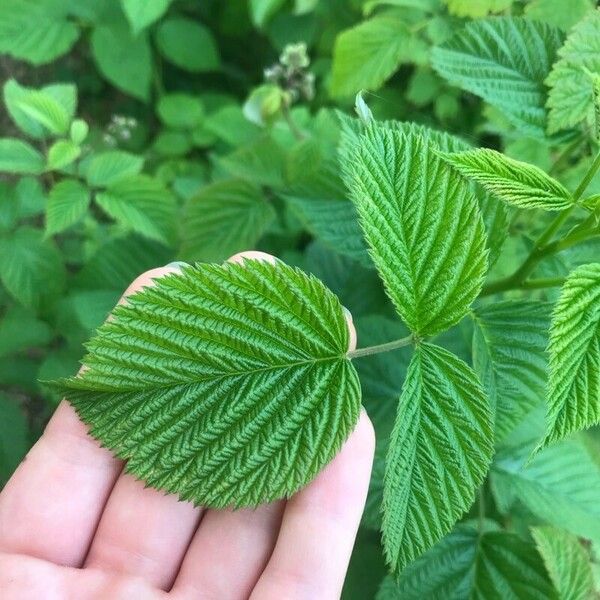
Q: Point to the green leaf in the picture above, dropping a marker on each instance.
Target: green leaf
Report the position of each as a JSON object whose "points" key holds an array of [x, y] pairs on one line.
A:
{"points": [[423, 226], [141, 13], [141, 204], [365, 56], [505, 61], [440, 450], [567, 562], [36, 30], [509, 346], [474, 565], [123, 59], [224, 218], [13, 437], [517, 183], [559, 13], [188, 45], [31, 269], [476, 8], [111, 166], [38, 112], [226, 384], [78, 131], [17, 156], [21, 330], [172, 143], [262, 10], [62, 153], [67, 203], [571, 98], [180, 111], [574, 384]]}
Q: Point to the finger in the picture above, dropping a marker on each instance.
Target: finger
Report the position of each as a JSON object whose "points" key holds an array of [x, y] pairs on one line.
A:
{"points": [[229, 552], [51, 506], [319, 526]]}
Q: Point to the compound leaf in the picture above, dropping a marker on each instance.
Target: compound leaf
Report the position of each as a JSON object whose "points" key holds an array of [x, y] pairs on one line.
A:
{"points": [[574, 384], [226, 384], [440, 450], [423, 225], [505, 61], [517, 183], [567, 563]]}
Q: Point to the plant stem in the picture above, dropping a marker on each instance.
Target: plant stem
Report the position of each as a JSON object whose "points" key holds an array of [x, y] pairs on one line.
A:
{"points": [[542, 247], [378, 349], [285, 111]]}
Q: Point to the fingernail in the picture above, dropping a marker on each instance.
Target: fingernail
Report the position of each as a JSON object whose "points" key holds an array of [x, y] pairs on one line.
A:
{"points": [[347, 313], [176, 264]]}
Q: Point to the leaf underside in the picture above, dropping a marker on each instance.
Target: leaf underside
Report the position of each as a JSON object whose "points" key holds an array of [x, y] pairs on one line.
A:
{"points": [[227, 385]]}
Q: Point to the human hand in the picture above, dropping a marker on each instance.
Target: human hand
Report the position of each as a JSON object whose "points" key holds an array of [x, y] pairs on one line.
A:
{"points": [[74, 526]]}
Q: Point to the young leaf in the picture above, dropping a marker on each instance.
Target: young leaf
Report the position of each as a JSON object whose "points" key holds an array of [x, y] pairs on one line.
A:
{"points": [[141, 204], [440, 450], [225, 217], [517, 183], [17, 156], [226, 384], [62, 153], [141, 13], [423, 226], [503, 60], [476, 564], [369, 53], [566, 561], [67, 203], [509, 345], [571, 98], [111, 166], [574, 385]]}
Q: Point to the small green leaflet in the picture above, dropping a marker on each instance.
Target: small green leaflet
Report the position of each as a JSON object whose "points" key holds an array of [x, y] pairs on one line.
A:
{"points": [[423, 225], [62, 153], [365, 56], [141, 13], [17, 156], [440, 450], [571, 98], [567, 562], [517, 183], [105, 168], [226, 384], [180, 111], [474, 565], [224, 218], [503, 60], [574, 385], [67, 203], [509, 346]]}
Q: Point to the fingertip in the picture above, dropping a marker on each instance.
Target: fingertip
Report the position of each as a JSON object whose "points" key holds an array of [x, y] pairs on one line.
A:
{"points": [[352, 335], [148, 278], [240, 257]]}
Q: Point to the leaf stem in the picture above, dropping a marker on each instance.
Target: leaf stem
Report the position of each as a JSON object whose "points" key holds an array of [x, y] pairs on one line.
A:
{"points": [[543, 247], [379, 348], [285, 111]]}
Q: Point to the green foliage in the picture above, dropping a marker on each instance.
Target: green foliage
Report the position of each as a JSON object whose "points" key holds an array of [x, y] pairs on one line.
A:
{"points": [[68, 202], [567, 562], [514, 51], [571, 98], [141, 14], [17, 156], [13, 437], [515, 182], [268, 394]]}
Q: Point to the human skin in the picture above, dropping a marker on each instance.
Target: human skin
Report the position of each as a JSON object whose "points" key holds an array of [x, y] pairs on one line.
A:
{"points": [[74, 526]]}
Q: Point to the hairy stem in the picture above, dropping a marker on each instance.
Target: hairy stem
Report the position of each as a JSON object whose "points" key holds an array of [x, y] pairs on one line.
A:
{"points": [[378, 349]]}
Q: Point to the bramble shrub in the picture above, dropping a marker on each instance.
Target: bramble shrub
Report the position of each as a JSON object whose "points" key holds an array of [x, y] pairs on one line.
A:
{"points": [[453, 206]]}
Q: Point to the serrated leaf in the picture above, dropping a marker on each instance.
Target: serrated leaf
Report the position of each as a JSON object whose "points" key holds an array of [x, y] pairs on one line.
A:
{"points": [[516, 183], [514, 51], [123, 59], [188, 45], [567, 562], [111, 166], [36, 30], [141, 13], [440, 450], [574, 384], [67, 203], [141, 204], [31, 269], [475, 565], [17, 156], [509, 355], [226, 384], [224, 218], [365, 56], [62, 153], [571, 98], [423, 226]]}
